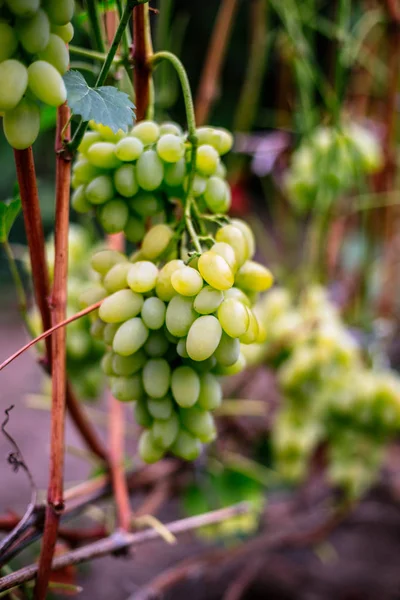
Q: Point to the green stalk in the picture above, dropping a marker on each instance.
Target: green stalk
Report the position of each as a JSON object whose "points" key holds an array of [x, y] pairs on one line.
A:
{"points": [[19, 287], [101, 56], [343, 18], [95, 24]]}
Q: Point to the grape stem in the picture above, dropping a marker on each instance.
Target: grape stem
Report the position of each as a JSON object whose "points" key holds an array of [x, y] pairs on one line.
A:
{"points": [[92, 7], [92, 54]]}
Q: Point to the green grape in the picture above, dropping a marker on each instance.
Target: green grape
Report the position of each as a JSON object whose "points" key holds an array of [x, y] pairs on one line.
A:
{"points": [[109, 333], [165, 432], [185, 386], [78, 344], [174, 174], [203, 337], [101, 154], [79, 201], [208, 300], [146, 204], [228, 351], [142, 276], [100, 190], [254, 277], [168, 127], [239, 295], [156, 241], [148, 132], [181, 348], [156, 377], [227, 252], [198, 422], [65, 32], [127, 389], [170, 148], [120, 306], [128, 365], [56, 53], [180, 315], [128, 149], [251, 334], [113, 216], [149, 452], [160, 408], [135, 229], [104, 260], [84, 171], [222, 141], [215, 270], [46, 83], [149, 170], [210, 396], [107, 133], [23, 8], [60, 12], [235, 238], [142, 415], [125, 181], [234, 317], [157, 344], [8, 41], [97, 329], [14, 76], [116, 278], [217, 195], [248, 234], [130, 336], [153, 313], [106, 364], [186, 281], [92, 295], [22, 124], [237, 367], [186, 446], [164, 289], [34, 32], [199, 185], [207, 160]]}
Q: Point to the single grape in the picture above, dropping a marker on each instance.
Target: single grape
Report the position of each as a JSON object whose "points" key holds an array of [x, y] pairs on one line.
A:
{"points": [[180, 315], [227, 252], [60, 12], [128, 365], [97, 329], [125, 181], [65, 32], [109, 333], [84, 171], [160, 408], [199, 185], [217, 195], [157, 344], [210, 396], [186, 446], [103, 260], [168, 127], [23, 8], [181, 348], [116, 278], [148, 450], [142, 415], [234, 317], [130, 336], [8, 41], [92, 295], [113, 216], [34, 32], [22, 124], [46, 83], [203, 337], [208, 300], [79, 201], [237, 367], [142, 276], [238, 294], [174, 174], [198, 422], [207, 160], [146, 204], [135, 229], [228, 350], [149, 170], [148, 132], [165, 432], [100, 189], [156, 241], [56, 53], [101, 154], [254, 277], [251, 334], [120, 306], [106, 364], [156, 377], [128, 149], [14, 76], [235, 238], [170, 148], [222, 140], [248, 234], [89, 138], [215, 270], [186, 281], [185, 386], [127, 389], [153, 313], [164, 289]]}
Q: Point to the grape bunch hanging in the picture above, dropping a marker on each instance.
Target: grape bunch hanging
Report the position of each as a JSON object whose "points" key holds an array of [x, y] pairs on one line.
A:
{"points": [[33, 58]]}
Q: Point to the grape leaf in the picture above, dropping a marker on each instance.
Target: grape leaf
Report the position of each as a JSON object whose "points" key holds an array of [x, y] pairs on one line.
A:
{"points": [[9, 211], [105, 104]]}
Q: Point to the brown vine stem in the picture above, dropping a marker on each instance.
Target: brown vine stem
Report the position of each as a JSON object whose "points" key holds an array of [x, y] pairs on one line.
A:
{"points": [[215, 57], [122, 541], [142, 50]]}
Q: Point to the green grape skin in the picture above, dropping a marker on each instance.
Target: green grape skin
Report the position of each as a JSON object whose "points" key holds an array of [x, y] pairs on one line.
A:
{"points": [[160, 408], [65, 32], [251, 334], [170, 148], [128, 365], [215, 270], [116, 278], [146, 204], [127, 389], [149, 452], [149, 171], [156, 241], [235, 238], [46, 83], [101, 154], [113, 216], [109, 332], [199, 185], [142, 276], [198, 422], [254, 277], [104, 260], [164, 289], [208, 300], [148, 132], [210, 397], [135, 229], [248, 234], [157, 344], [222, 141], [156, 377], [92, 295], [106, 364], [181, 348], [120, 306], [128, 149], [169, 127], [207, 160], [97, 329], [125, 181], [186, 446], [100, 190], [8, 41], [23, 8], [185, 386], [22, 124], [217, 195], [60, 12], [180, 315], [84, 171], [186, 281], [233, 317], [174, 173], [56, 53], [238, 294], [130, 336], [107, 133], [165, 432], [153, 313], [228, 350], [142, 415], [203, 337], [227, 253], [16, 75], [237, 367], [34, 32], [79, 201]]}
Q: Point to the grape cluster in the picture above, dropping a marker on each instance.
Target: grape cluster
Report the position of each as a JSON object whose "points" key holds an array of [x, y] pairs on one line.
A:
{"points": [[329, 395], [33, 58], [129, 178], [173, 328], [329, 163]]}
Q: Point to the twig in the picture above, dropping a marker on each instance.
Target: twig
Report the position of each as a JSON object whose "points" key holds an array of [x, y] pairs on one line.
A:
{"points": [[141, 53], [240, 584], [116, 463], [214, 60], [121, 542]]}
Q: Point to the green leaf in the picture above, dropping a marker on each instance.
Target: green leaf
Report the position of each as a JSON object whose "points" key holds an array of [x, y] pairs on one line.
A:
{"points": [[105, 105], [9, 211]]}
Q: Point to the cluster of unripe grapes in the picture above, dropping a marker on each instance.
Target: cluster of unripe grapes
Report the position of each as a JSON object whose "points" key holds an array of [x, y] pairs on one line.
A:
{"points": [[330, 397], [33, 58], [329, 163], [174, 328], [130, 177]]}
